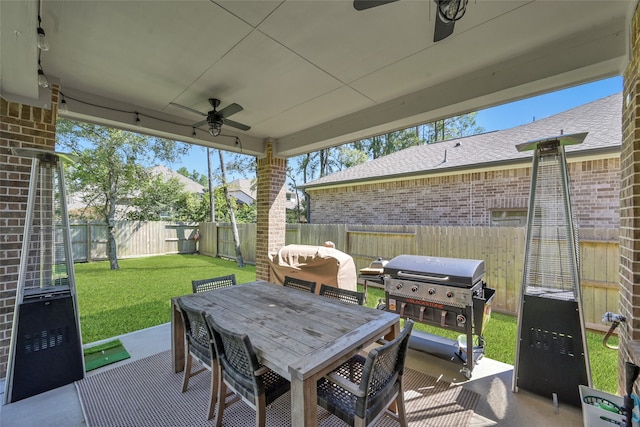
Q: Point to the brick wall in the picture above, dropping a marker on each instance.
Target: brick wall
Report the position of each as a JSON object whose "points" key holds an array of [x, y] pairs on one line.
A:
{"points": [[467, 199], [271, 220], [629, 210], [28, 127]]}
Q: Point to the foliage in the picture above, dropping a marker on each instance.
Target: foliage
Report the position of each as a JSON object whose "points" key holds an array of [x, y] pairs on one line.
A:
{"points": [[324, 162], [158, 200], [195, 176], [109, 170]]}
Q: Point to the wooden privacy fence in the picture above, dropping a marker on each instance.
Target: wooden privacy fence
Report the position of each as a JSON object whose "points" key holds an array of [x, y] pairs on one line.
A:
{"points": [[133, 239], [501, 248]]}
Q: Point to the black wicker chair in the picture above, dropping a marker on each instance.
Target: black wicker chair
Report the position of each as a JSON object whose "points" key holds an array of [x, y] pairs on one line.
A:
{"points": [[361, 390], [240, 371], [213, 283], [303, 285], [198, 346], [345, 295]]}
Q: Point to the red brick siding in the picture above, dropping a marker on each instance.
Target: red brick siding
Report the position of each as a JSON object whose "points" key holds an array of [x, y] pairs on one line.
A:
{"points": [[467, 199], [27, 127], [271, 220]]}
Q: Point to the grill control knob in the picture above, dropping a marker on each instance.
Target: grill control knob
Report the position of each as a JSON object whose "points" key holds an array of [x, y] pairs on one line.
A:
{"points": [[414, 288], [399, 286], [461, 319], [431, 291], [449, 294]]}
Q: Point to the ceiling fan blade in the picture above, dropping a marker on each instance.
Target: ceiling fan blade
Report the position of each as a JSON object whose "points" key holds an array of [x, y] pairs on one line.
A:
{"points": [[443, 29], [197, 125], [230, 110], [188, 109], [236, 125], [368, 4]]}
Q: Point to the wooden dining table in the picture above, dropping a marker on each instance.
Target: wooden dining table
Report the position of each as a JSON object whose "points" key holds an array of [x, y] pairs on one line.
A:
{"points": [[300, 335]]}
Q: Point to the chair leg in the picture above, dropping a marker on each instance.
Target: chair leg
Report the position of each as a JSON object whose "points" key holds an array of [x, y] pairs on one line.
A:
{"points": [[261, 411], [187, 369], [222, 392], [214, 388], [402, 413]]}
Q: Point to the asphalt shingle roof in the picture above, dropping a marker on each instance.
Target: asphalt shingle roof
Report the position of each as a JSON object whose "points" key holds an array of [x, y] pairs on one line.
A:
{"points": [[602, 119]]}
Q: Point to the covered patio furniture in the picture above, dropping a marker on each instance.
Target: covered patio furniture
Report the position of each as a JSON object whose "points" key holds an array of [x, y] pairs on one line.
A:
{"points": [[205, 285], [240, 370], [318, 264], [361, 390], [198, 346], [296, 283], [345, 295]]}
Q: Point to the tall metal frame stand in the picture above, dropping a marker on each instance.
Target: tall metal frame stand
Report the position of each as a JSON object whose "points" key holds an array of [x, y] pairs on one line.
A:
{"points": [[45, 350], [551, 349]]}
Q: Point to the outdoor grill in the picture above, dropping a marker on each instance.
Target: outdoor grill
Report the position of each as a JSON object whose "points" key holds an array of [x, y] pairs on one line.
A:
{"points": [[448, 293]]}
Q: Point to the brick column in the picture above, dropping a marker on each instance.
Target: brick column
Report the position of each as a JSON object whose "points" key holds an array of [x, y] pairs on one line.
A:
{"points": [[630, 210], [28, 127], [272, 219]]}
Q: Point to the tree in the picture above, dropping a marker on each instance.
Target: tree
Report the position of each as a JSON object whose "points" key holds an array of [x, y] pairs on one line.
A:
{"points": [[157, 199], [234, 225], [109, 171], [453, 127], [311, 166], [193, 175]]}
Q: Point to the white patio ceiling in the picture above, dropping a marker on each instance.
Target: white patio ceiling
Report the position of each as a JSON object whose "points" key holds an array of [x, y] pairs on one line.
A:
{"points": [[309, 74]]}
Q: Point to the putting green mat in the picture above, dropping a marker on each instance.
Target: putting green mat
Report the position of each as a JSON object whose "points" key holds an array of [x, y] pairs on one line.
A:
{"points": [[104, 354]]}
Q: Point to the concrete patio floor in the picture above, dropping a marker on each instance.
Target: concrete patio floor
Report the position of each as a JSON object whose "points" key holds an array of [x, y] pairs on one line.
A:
{"points": [[498, 405]]}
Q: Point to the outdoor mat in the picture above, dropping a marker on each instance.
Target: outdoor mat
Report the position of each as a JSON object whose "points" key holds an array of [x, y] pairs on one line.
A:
{"points": [[104, 354], [147, 393]]}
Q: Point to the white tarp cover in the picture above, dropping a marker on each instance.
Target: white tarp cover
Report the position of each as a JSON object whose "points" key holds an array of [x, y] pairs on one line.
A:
{"points": [[319, 264]]}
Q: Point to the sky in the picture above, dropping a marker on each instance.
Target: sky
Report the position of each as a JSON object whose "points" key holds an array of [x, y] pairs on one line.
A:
{"points": [[496, 118]]}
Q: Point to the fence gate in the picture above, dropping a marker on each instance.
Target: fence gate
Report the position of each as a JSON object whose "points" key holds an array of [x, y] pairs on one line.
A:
{"points": [[46, 348], [551, 353]]}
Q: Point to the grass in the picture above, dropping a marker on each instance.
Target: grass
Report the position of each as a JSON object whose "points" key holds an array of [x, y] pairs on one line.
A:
{"points": [[138, 296]]}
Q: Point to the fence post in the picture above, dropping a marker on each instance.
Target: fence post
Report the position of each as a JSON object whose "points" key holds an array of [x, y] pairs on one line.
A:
{"points": [[89, 246]]}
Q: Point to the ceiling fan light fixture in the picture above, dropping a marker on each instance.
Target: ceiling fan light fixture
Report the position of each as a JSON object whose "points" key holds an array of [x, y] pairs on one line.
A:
{"points": [[451, 10], [215, 128]]}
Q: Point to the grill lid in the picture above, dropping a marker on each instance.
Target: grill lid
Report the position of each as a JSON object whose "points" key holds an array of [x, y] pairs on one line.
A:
{"points": [[450, 271]]}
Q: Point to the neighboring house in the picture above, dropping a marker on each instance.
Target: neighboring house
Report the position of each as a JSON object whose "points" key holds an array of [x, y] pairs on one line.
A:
{"points": [[244, 191], [190, 185], [480, 180], [76, 204]]}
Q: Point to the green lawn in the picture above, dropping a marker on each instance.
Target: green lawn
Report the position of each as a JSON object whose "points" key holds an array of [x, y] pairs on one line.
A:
{"points": [[138, 296]]}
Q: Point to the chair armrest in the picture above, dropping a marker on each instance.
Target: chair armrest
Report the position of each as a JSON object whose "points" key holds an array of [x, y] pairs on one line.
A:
{"points": [[345, 384], [261, 371], [382, 341]]}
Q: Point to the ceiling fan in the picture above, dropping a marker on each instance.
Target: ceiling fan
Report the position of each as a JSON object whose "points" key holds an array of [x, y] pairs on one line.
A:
{"points": [[449, 11], [215, 119]]}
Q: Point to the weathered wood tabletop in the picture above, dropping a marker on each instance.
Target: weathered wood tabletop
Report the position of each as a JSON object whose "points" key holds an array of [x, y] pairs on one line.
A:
{"points": [[300, 335]]}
